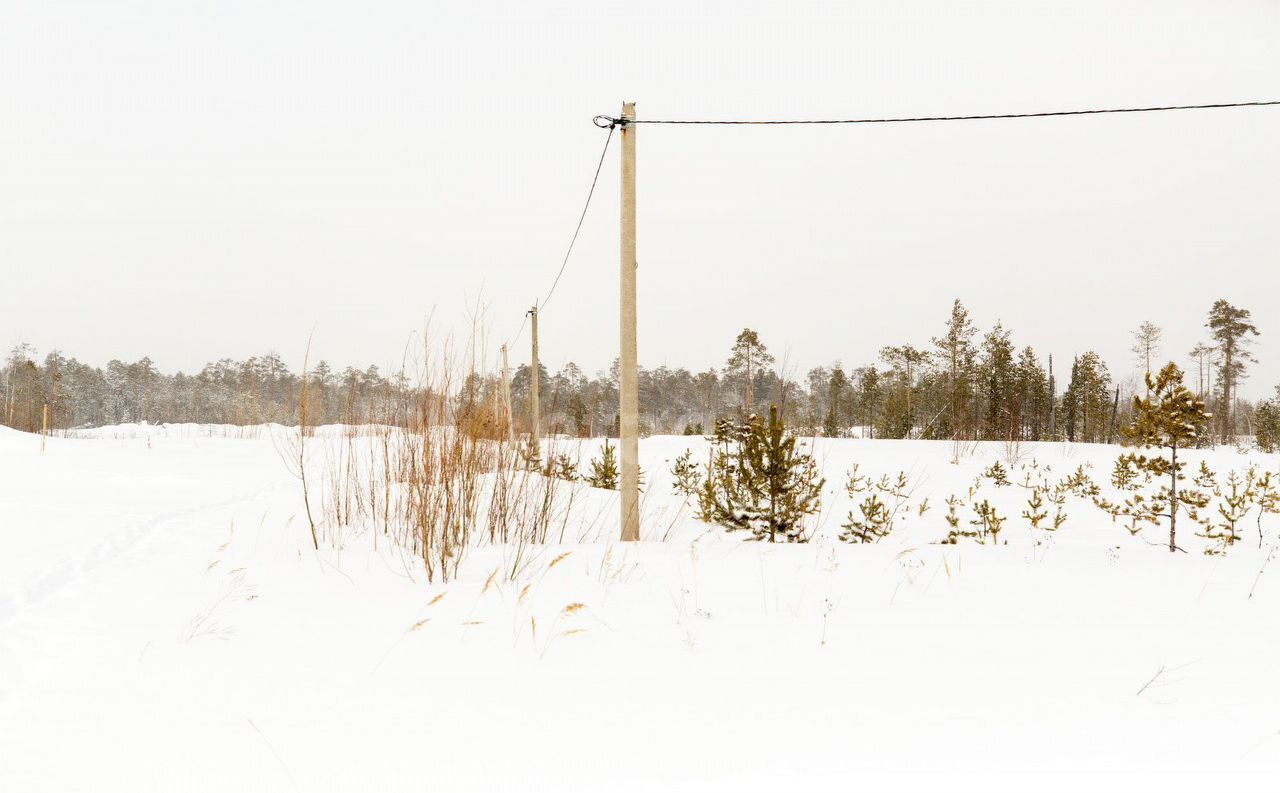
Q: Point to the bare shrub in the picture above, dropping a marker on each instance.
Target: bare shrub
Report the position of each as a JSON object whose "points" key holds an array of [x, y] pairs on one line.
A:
{"points": [[433, 469]]}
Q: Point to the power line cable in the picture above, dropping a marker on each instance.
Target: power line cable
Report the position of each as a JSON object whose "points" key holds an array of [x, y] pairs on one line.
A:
{"points": [[516, 336], [610, 122], [577, 229], [581, 218]]}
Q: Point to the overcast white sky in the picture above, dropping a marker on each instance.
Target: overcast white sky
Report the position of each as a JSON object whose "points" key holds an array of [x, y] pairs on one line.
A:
{"points": [[199, 180]]}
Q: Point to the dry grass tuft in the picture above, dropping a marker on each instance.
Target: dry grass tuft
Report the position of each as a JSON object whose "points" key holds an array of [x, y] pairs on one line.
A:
{"points": [[431, 467], [572, 608]]}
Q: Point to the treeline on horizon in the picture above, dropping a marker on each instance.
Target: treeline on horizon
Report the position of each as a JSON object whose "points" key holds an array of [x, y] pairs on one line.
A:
{"points": [[961, 384]]}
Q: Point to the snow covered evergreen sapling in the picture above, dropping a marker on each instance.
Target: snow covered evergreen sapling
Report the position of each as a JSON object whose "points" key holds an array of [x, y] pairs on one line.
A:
{"points": [[872, 525], [604, 471], [761, 483], [685, 475]]}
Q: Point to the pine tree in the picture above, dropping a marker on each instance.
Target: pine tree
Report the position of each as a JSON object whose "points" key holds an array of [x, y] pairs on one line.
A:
{"points": [[1171, 418], [836, 388], [1203, 355], [1231, 329], [954, 353], [996, 370], [869, 392], [1087, 400], [1266, 425], [747, 358], [1146, 345], [1031, 395], [904, 364]]}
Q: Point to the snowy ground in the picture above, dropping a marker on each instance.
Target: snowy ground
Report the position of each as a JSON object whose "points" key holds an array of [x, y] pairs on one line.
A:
{"points": [[165, 625]]}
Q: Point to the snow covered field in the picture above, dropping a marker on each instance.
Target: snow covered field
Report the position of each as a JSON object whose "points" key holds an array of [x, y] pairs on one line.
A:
{"points": [[166, 625]]}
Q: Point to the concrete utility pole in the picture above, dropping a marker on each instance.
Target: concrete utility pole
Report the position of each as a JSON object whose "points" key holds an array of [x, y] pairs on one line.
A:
{"points": [[1053, 404], [506, 397], [534, 430], [628, 387]]}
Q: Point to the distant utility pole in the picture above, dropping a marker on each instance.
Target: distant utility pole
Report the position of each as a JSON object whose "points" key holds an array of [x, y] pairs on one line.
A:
{"points": [[533, 380], [628, 388], [1053, 404], [506, 397]]}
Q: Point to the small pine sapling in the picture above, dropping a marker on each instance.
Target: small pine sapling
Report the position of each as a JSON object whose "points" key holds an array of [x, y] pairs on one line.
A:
{"points": [[1171, 418], [997, 474], [1058, 497], [561, 467], [1032, 476], [1081, 484], [1124, 476], [857, 483], [686, 475], [763, 483], [604, 471], [900, 490], [1206, 479], [1059, 518], [1235, 501], [1267, 498], [873, 525], [1035, 513], [988, 522], [953, 521]]}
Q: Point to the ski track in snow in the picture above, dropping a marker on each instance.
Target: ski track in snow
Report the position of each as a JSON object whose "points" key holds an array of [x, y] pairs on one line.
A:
{"points": [[72, 571]]}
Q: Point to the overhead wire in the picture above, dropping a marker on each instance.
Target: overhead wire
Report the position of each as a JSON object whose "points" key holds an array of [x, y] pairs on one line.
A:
{"points": [[610, 122]]}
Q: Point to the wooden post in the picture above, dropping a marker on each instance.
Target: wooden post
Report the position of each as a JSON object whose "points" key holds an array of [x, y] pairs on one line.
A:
{"points": [[628, 381], [534, 430], [506, 397], [44, 426]]}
